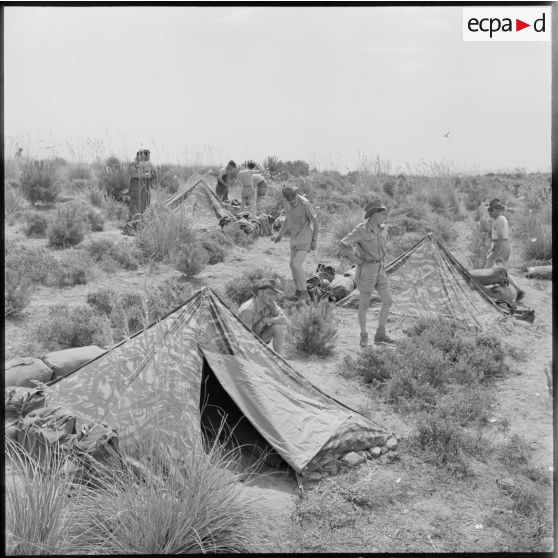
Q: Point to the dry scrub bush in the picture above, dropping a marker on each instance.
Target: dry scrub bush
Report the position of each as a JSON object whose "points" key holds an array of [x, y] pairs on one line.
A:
{"points": [[34, 263], [95, 195], [314, 329], [131, 312], [36, 224], [111, 255], [240, 289], [75, 267], [17, 291], [534, 228], [38, 182], [217, 245], [62, 327], [114, 180], [15, 201], [441, 227], [189, 257], [68, 227], [441, 373], [162, 229]]}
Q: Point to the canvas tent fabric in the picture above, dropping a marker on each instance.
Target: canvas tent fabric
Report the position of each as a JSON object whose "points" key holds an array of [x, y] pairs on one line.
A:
{"points": [[154, 380], [427, 281], [201, 203]]}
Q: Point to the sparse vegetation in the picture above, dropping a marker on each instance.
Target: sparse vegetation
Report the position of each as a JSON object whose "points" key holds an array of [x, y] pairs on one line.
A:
{"points": [[62, 327], [17, 291], [38, 182], [68, 228], [314, 329], [111, 255], [15, 201], [36, 225]]}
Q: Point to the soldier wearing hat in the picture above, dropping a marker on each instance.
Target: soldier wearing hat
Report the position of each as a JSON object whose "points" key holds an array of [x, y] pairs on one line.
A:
{"points": [[365, 245], [302, 222], [499, 251], [224, 180], [263, 316], [142, 174]]}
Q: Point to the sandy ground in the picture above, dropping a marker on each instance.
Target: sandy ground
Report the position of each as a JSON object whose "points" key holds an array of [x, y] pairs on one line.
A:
{"points": [[522, 398]]}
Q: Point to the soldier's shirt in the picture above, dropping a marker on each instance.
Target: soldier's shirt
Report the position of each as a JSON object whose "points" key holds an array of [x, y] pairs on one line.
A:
{"points": [[500, 228], [253, 311], [245, 176], [369, 245], [299, 218], [142, 170]]}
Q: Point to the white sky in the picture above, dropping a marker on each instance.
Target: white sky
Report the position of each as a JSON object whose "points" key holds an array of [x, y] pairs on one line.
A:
{"points": [[326, 84]]}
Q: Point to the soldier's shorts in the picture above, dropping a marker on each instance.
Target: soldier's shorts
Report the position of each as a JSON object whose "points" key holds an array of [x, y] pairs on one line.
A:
{"points": [[372, 276]]}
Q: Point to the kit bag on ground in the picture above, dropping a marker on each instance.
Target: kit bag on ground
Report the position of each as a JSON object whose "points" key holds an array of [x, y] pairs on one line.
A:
{"points": [[44, 432], [22, 371], [19, 401], [341, 287], [68, 360]]}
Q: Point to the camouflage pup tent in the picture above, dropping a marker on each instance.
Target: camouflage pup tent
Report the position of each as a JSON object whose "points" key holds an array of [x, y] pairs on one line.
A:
{"points": [[203, 206], [428, 282], [201, 356]]}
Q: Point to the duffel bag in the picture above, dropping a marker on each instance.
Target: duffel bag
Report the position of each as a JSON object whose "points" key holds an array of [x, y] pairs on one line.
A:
{"points": [[22, 371], [68, 360]]}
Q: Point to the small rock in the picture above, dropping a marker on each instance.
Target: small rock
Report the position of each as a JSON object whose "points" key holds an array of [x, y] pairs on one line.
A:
{"points": [[315, 476], [353, 459], [384, 449], [375, 452], [391, 443]]}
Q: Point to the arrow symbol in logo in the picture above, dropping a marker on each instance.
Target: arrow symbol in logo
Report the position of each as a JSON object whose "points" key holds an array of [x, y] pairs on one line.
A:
{"points": [[519, 25]]}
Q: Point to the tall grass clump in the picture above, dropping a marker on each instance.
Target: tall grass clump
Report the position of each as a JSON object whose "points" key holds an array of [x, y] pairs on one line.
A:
{"points": [[314, 329], [187, 500], [95, 195], [114, 179], [68, 227], [534, 228], [479, 243], [38, 182], [162, 229], [15, 201], [38, 505]]}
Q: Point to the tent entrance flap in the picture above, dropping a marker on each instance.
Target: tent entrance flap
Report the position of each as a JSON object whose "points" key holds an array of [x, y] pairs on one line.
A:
{"points": [[221, 418]]}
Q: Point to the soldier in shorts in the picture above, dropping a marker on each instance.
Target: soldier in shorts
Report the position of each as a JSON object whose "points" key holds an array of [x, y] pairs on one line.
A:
{"points": [[302, 223], [499, 251], [365, 245]]}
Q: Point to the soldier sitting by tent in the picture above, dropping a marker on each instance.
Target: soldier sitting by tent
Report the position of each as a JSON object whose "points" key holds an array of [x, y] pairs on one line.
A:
{"points": [[262, 315]]}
